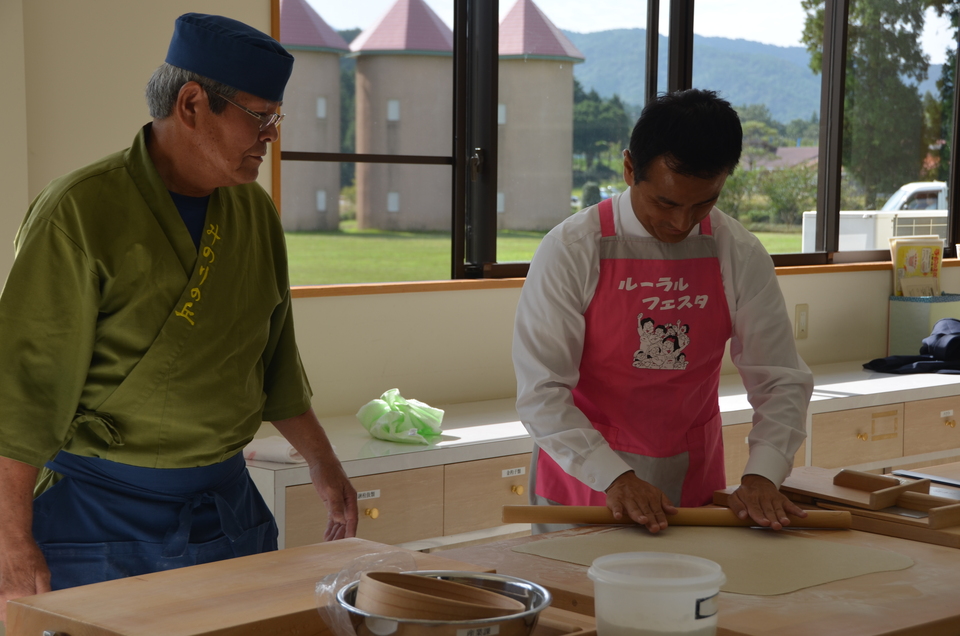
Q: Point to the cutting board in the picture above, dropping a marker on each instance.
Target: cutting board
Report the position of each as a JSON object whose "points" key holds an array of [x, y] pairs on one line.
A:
{"points": [[271, 593]]}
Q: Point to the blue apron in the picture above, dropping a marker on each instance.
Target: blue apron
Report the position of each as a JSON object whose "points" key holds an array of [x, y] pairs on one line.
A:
{"points": [[104, 520]]}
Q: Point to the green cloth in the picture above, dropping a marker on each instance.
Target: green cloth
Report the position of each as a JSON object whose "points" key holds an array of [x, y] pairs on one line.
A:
{"points": [[396, 419], [121, 341]]}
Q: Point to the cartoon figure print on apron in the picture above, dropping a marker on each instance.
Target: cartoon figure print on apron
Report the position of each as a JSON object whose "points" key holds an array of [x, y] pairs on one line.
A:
{"points": [[654, 340]]}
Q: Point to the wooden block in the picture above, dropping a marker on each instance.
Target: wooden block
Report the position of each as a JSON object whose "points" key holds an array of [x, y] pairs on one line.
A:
{"points": [[812, 481], [882, 492], [948, 537], [944, 517]]}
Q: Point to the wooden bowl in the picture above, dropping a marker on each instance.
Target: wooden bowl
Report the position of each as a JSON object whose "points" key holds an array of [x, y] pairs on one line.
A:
{"points": [[417, 597], [534, 598]]}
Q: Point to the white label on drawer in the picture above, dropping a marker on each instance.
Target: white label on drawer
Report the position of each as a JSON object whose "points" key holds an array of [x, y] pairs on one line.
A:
{"points": [[513, 472], [946, 413], [492, 630], [368, 494]]}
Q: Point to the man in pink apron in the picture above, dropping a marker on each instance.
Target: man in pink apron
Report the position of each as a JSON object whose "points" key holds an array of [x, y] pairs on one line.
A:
{"points": [[621, 330]]}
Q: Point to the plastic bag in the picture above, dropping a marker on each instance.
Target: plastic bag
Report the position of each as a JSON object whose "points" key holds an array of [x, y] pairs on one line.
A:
{"points": [[332, 613], [395, 418]]}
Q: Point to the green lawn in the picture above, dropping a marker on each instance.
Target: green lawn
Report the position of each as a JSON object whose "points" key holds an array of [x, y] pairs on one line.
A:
{"points": [[351, 256]]}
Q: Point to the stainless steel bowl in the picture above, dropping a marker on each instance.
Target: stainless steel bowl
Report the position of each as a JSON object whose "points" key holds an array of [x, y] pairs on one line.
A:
{"points": [[535, 599]]}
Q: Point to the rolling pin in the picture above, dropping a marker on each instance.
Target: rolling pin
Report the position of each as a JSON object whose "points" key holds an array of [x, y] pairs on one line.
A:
{"points": [[685, 517]]}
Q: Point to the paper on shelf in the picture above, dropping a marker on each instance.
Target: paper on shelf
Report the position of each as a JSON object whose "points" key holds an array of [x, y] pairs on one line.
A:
{"points": [[916, 265]]}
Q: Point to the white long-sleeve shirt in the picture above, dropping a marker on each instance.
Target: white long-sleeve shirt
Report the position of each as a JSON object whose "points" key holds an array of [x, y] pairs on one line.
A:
{"points": [[549, 333]]}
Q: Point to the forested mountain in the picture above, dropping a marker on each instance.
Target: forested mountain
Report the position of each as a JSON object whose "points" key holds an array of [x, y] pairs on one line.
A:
{"points": [[744, 72]]}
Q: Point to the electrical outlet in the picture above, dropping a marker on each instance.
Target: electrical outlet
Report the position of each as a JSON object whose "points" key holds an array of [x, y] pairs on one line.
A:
{"points": [[802, 322]]}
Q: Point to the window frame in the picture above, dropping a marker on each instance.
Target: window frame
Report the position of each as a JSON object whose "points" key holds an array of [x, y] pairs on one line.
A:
{"points": [[473, 157]]}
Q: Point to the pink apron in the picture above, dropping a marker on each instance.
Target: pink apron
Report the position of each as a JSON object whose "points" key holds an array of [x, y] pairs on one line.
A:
{"points": [[655, 335]]}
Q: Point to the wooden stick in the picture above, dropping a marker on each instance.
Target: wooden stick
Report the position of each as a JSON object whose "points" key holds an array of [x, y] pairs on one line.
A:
{"points": [[685, 517]]}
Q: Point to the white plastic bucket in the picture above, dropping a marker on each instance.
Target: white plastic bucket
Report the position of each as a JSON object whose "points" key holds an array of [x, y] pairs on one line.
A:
{"points": [[647, 593]]}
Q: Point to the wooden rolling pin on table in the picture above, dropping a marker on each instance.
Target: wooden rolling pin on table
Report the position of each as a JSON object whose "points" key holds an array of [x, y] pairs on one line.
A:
{"points": [[684, 517]]}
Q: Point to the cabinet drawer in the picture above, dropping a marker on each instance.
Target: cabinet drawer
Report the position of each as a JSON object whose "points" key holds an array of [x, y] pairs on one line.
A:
{"points": [[931, 425], [857, 436], [736, 451], [394, 508], [475, 492]]}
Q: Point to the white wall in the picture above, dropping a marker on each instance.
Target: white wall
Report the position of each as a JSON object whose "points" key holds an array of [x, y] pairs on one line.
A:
{"points": [[13, 112], [443, 347]]}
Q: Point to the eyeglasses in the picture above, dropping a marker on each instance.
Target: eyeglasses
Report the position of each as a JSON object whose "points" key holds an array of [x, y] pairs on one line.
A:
{"points": [[266, 121]]}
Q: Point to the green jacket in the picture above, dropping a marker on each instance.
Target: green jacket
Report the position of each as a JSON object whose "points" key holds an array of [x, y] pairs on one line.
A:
{"points": [[119, 340]]}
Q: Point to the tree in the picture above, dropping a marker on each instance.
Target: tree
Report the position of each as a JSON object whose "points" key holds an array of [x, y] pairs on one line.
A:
{"points": [[759, 142], [759, 113], [737, 192], [807, 132], [597, 123], [791, 191], [882, 114], [945, 88], [591, 194]]}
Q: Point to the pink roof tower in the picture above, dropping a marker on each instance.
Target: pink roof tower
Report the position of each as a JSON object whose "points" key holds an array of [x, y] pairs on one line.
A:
{"points": [[535, 120], [310, 195], [404, 107]]}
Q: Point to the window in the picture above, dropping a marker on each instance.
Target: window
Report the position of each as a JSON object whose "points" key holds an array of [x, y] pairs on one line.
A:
{"points": [[773, 192], [393, 110], [321, 108], [893, 125], [540, 123]]}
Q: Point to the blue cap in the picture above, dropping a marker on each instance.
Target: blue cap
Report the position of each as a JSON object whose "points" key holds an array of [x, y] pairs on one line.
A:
{"points": [[232, 53]]}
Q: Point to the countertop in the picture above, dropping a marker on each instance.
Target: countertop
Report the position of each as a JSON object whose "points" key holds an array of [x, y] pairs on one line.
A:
{"points": [[491, 428]]}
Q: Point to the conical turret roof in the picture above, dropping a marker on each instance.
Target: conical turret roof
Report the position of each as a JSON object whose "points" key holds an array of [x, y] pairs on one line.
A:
{"points": [[409, 26], [302, 27], [527, 32]]}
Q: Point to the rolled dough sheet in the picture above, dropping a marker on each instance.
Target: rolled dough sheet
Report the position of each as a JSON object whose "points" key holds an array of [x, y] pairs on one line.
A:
{"points": [[759, 562]]}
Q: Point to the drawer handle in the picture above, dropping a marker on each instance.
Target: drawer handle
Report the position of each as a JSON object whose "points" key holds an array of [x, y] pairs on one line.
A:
{"points": [[862, 437], [517, 490], [951, 423], [373, 513]]}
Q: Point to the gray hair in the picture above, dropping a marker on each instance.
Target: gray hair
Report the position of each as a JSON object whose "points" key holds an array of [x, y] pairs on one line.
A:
{"points": [[165, 84]]}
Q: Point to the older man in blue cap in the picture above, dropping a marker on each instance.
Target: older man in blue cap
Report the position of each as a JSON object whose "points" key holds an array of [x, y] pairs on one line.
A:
{"points": [[146, 332]]}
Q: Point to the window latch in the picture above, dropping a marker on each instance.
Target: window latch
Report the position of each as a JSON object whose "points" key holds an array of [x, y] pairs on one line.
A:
{"points": [[476, 163]]}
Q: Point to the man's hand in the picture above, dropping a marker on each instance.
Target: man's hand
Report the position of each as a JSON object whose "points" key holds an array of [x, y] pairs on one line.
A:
{"points": [[23, 572], [339, 497], [326, 473], [642, 502], [760, 499]]}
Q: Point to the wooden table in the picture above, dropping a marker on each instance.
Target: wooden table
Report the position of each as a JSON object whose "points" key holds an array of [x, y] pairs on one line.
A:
{"points": [[921, 600], [265, 594]]}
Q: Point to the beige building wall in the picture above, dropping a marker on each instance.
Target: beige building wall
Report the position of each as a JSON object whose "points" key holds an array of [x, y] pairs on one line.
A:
{"points": [[316, 77], [535, 144], [404, 197]]}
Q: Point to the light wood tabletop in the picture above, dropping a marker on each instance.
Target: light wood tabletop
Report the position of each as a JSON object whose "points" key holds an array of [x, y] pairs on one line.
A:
{"points": [[921, 600]]}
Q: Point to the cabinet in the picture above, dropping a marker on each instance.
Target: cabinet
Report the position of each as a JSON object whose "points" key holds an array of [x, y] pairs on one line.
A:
{"points": [[857, 436], [931, 425], [474, 493], [394, 508], [452, 491]]}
